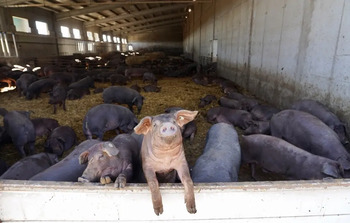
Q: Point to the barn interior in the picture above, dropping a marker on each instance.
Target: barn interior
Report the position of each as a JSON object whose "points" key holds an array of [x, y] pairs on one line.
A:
{"points": [[259, 45], [277, 52]]}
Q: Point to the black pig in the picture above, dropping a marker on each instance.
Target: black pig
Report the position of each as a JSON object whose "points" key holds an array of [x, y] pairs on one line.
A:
{"points": [[39, 86], [21, 130], [58, 96], [123, 95], [105, 117], [68, 169], [61, 139], [279, 156], [44, 126]]}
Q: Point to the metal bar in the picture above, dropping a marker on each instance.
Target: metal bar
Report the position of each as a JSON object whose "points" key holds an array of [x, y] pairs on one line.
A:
{"points": [[7, 45], [2, 43], [15, 44]]}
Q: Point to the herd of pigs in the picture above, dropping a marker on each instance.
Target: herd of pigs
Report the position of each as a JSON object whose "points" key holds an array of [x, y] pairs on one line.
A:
{"points": [[305, 141]]}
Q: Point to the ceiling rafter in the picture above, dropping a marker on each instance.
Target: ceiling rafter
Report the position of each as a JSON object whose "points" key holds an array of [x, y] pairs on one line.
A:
{"points": [[96, 8], [169, 16], [10, 2], [115, 15], [140, 13], [41, 3]]}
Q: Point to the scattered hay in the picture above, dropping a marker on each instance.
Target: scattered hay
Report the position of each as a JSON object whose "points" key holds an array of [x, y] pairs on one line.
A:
{"points": [[179, 92]]}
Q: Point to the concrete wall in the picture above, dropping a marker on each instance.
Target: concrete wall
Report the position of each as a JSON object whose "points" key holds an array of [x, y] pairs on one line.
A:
{"points": [[32, 45], [280, 50], [166, 38]]}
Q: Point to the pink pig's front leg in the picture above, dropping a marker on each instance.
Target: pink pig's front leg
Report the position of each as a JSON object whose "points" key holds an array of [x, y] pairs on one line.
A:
{"points": [[155, 192], [186, 180]]}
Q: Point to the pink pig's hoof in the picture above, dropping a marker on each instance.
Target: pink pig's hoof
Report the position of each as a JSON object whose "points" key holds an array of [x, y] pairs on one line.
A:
{"points": [[191, 210], [105, 180], [158, 211]]}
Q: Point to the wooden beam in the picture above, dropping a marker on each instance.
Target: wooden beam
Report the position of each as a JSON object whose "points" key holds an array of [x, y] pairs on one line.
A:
{"points": [[140, 13], [114, 27]]}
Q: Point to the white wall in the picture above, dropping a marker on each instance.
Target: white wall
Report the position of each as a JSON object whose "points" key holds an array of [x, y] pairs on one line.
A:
{"points": [[321, 201], [280, 50]]}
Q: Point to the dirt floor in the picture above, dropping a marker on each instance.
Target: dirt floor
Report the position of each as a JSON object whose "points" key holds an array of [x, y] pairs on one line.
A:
{"points": [[180, 92]]}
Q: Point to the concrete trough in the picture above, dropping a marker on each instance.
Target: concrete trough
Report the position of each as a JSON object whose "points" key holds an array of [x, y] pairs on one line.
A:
{"points": [[279, 201]]}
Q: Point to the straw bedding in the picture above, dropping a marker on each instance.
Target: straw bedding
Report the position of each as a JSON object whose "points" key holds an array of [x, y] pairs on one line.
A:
{"points": [[181, 92]]}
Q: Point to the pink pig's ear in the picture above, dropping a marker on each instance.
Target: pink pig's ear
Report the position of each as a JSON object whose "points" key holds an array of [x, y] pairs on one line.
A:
{"points": [[83, 158], [184, 116], [143, 126], [110, 149]]}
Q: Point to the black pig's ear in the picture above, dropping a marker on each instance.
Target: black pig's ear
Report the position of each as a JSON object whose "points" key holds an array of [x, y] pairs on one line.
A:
{"points": [[110, 149], [84, 157], [330, 170], [184, 116], [144, 126], [62, 140]]}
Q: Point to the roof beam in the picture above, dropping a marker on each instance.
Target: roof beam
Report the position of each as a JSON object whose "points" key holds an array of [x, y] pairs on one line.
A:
{"points": [[96, 8], [108, 28], [15, 4], [154, 25], [10, 2], [140, 13], [43, 3]]}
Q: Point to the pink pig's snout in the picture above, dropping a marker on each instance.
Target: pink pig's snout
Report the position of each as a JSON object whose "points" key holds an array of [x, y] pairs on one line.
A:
{"points": [[168, 129]]}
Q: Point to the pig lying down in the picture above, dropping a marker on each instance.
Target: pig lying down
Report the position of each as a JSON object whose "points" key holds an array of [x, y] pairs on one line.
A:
{"points": [[68, 169], [309, 133], [162, 152], [278, 156], [322, 112], [30, 166], [110, 161]]}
